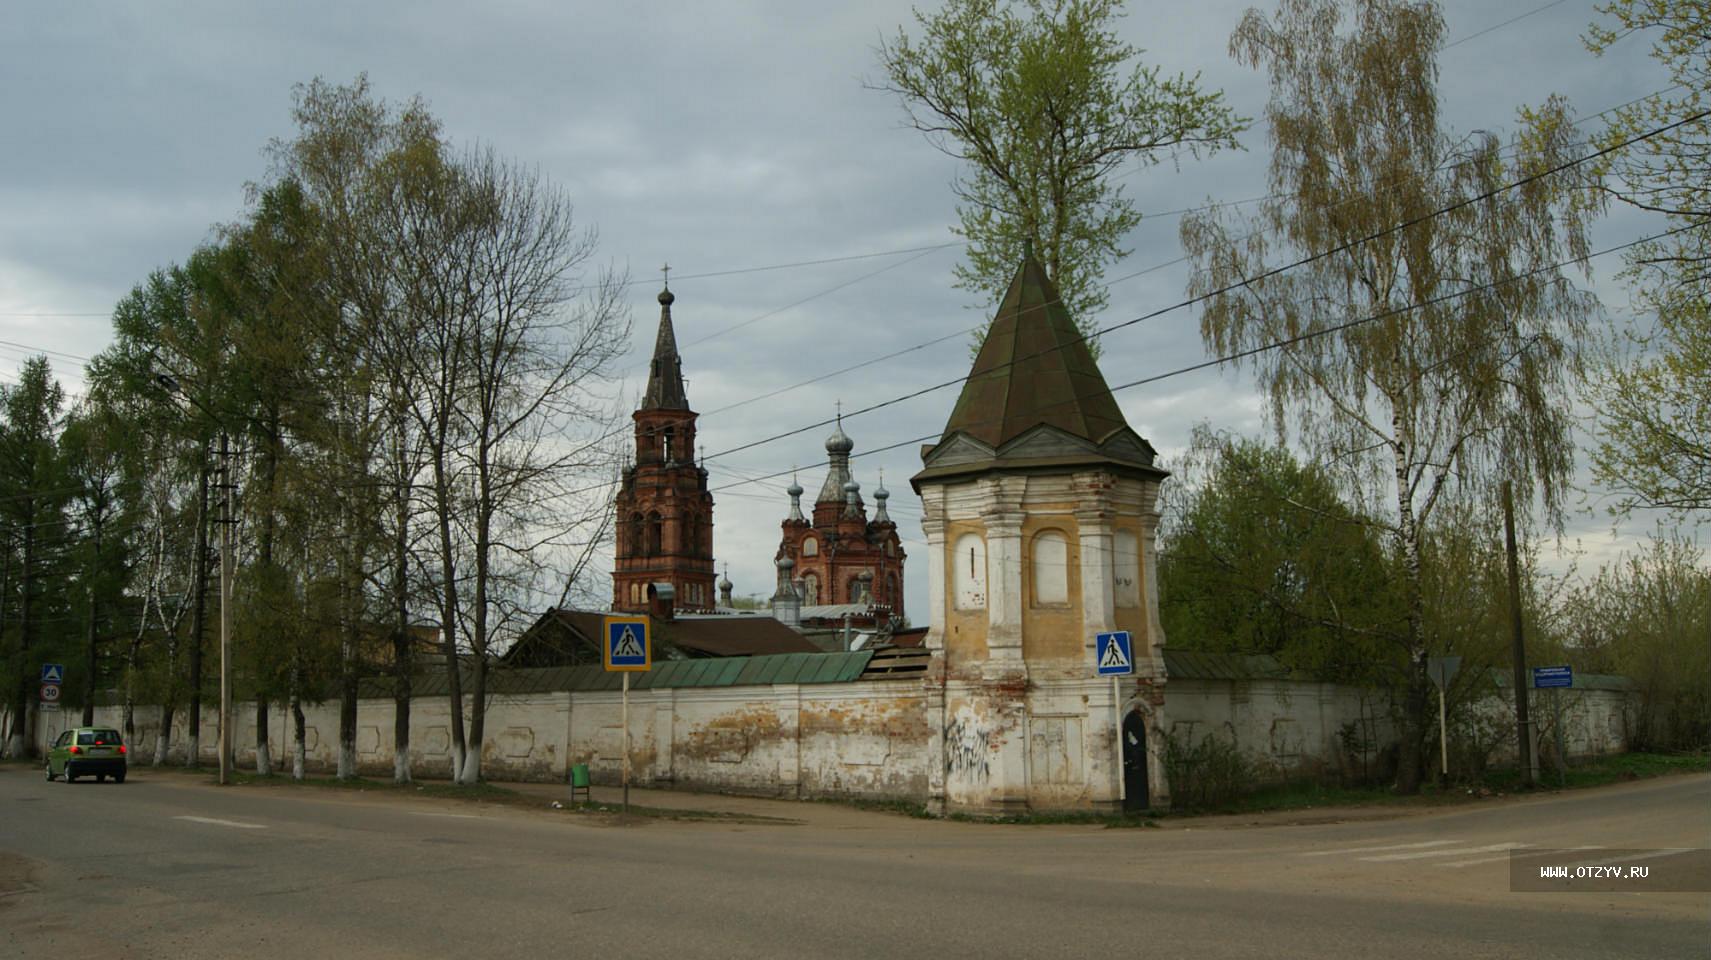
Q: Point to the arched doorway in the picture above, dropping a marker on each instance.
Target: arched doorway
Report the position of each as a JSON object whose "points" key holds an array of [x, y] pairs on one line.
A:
{"points": [[1135, 793]]}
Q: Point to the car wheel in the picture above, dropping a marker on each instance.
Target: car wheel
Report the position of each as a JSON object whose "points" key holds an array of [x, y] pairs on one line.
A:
{"points": [[49, 770], [100, 778], [118, 778], [68, 774]]}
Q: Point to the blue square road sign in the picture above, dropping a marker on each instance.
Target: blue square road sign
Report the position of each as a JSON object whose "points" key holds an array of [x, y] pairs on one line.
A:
{"points": [[627, 645], [1115, 654]]}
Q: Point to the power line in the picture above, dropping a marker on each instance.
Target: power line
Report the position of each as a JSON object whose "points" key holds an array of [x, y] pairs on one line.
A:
{"points": [[1250, 281], [1281, 344]]}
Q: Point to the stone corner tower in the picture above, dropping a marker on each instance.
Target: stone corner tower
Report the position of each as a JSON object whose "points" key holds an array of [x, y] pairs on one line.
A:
{"points": [[664, 512], [1041, 517]]}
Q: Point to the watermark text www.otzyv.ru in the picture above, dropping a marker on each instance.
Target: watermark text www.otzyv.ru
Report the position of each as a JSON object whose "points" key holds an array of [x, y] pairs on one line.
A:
{"points": [[1592, 870]]}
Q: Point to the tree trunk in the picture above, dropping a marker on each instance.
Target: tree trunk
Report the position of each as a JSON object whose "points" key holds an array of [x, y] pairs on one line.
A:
{"points": [[448, 614], [163, 739], [299, 749], [1409, 755], [263, 755], [403, 645], [22, 743], [198, 617]]}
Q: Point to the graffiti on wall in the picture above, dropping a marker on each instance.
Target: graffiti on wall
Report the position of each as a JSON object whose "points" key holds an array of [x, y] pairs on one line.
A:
{"points": [[968, 745]]}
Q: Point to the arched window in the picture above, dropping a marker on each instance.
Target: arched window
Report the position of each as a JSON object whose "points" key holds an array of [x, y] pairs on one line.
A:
{"points": [[636, 542], [891, 589], [968, 566], [810, 590], [1126, 569], [635, 594], [691, 535], [665, 449], [810, 547], [855, 590], [1051, 569], [656, 533]]}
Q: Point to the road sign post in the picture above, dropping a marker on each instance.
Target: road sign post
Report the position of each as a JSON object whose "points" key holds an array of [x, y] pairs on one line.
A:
{"points": [[1556, 679], [1114, 657], [627, 649], [1441, 669]]}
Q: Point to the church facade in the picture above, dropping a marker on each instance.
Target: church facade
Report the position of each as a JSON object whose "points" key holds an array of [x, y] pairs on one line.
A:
{"points": [[663, 509], [837, 555]]}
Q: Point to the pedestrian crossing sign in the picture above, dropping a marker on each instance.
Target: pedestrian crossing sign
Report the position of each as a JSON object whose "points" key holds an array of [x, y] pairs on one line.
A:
{"points": [[627, 646], [1116, 656], [53, 673]]}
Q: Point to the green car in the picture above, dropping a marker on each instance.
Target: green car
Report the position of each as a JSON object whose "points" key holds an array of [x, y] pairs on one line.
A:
{"points": [[87, 751]]}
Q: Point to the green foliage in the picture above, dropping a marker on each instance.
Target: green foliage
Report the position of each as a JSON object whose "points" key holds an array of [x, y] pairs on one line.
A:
{"points": [[1205, 773], [1654, 425], [1458, 377], [1646, 617], [1260, 555], [1046, 105]]}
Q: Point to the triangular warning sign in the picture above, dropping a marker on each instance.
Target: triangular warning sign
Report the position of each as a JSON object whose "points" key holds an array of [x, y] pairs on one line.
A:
{"points": [[1114, 657], [629, 646]]}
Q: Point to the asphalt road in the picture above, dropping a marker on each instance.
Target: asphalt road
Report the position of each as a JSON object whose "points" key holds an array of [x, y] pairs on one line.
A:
{"points": [[169, 866]]}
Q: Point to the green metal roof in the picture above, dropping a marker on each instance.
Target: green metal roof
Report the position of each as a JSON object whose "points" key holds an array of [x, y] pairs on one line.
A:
{"points": [[1207, 665], [712, 672]]}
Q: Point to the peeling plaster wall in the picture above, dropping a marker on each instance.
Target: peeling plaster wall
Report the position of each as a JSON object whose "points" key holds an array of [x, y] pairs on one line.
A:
{"points": [[822, 740], [993, 744], [1293, 728]]}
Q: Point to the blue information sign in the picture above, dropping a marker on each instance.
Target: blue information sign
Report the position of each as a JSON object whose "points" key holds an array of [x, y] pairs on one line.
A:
{"points": [[1544, 677], [627, 646], [1116, 657], [53, 673]]}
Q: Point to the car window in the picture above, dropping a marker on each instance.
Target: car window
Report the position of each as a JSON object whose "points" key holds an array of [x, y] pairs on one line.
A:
{"points": [[107, 736], [64, 738]]}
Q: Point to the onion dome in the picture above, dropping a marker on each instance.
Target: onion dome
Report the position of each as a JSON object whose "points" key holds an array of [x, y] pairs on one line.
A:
{"points": [[839, 441]]}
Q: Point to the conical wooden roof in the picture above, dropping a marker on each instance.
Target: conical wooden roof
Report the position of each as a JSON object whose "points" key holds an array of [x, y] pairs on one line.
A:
{"points": [[1035, 399]]}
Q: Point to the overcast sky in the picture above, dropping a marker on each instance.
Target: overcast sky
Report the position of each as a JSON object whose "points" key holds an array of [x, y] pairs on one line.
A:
{"points": [[721, 137]]}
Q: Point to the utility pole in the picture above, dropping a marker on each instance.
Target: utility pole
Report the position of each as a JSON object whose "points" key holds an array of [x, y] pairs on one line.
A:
{"points": [[1518, 647], [225, 608]]}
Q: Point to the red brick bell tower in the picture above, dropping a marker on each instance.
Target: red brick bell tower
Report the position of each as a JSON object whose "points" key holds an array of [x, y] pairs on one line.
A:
{"points": [[664, 511]]}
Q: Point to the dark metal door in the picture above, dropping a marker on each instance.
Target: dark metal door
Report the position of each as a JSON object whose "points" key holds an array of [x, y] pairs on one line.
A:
{"points": [[1135, 795]]}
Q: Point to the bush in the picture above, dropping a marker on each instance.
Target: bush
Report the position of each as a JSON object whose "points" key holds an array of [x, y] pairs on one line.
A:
{"points": [[1210, 773]]}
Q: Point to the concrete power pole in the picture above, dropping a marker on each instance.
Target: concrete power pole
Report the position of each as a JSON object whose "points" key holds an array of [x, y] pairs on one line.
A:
{"points": [[225, 608], [1523, 726]]}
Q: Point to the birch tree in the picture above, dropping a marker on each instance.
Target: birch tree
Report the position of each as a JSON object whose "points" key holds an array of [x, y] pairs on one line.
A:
{"points": [[1654, 419], [1047, 106], [1462, 377]]}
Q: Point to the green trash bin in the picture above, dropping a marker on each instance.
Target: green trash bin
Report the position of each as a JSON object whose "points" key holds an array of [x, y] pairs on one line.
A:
{"points": [[579, 781]]}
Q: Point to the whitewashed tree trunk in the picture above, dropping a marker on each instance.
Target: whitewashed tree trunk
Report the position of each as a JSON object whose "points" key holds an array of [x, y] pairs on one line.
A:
{"points": [[193, 750], [470, 770], [457, 763], [401, 767], [263, 760], [160, 744], [347, 761], [15, 744]]}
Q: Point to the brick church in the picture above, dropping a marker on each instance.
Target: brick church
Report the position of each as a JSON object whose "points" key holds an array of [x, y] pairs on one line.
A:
{"points": [[834, 556], [663, 508]]}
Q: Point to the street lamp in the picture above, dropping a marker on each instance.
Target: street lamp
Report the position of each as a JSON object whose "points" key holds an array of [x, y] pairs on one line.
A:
{"points": [[172, 386]]}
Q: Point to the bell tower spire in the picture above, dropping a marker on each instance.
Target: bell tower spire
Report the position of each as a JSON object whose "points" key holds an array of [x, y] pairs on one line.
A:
{"points": [[664, 509]]}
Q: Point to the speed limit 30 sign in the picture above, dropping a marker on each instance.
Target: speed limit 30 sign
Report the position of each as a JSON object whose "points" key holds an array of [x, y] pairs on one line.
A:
{"points": [[50, 693]]}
